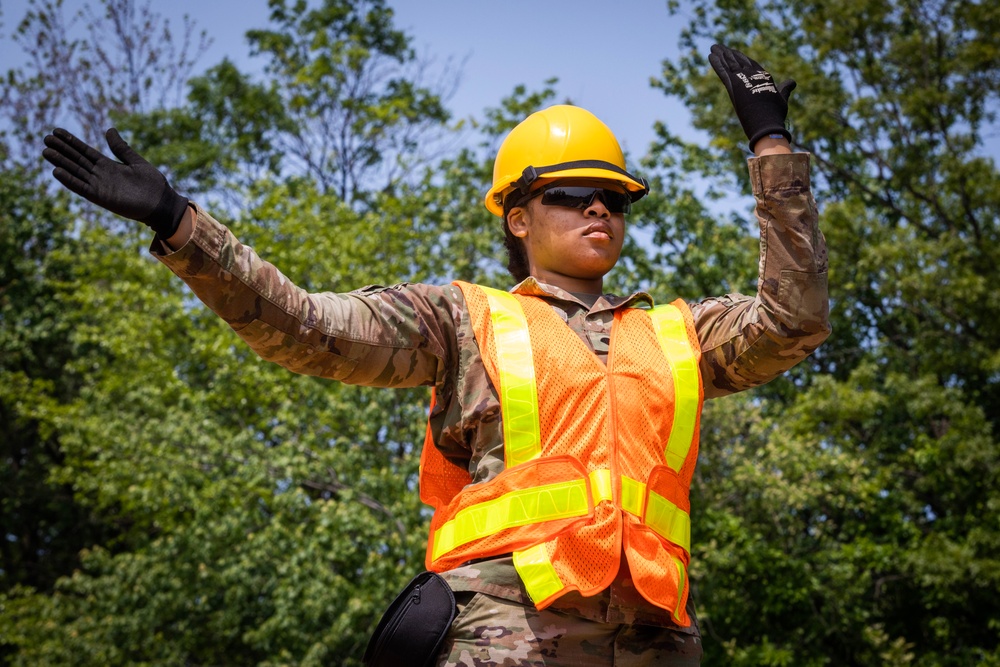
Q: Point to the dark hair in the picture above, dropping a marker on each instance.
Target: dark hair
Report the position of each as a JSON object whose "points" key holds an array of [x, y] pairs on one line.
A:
{"points": [[517, 258]]}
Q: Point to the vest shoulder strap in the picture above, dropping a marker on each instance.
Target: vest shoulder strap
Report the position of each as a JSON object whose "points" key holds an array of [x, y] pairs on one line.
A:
{"points": [[514, 372], [675, 333]]}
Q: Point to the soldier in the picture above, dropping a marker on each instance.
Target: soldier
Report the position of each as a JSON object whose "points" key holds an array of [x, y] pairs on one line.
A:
{"points": [[563, 432]]}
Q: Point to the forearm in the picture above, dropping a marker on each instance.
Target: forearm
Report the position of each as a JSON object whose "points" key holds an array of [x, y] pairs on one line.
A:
{"points": [[748, 341], [378, 338], [184, 230], [772, 146]]}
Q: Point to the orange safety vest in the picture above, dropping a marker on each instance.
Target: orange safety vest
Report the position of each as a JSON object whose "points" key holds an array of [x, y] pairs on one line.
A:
{"points": [[598, 458]]}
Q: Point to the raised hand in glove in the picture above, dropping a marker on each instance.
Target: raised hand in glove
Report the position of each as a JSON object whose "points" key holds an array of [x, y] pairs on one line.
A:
{"points": [[132, 188], [760, 105]]}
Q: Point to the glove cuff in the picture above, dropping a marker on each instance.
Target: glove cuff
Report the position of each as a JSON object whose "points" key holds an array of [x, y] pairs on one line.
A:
{"points": [[166, 217]]}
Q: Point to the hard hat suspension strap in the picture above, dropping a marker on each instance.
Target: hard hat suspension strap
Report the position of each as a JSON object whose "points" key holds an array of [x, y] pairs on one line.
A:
{"points": [[532, 174]]}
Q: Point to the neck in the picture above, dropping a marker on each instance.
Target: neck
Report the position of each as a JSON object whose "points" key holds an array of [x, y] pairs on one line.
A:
{"points": [[569, 283]]}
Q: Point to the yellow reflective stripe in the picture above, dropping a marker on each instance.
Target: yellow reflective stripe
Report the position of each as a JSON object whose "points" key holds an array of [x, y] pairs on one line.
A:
{"points": [[633, 495], [537, 573], [518, 395], [668, 520], [681, 582], [671, 331], [600, 485], [516, 508]]}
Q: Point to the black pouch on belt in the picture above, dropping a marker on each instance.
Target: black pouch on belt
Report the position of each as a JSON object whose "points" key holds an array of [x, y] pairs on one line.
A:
{"points": [[412, 629]]}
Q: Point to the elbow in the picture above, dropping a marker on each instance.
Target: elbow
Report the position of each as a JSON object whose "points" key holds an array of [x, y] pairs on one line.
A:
{"points": [[789, 339], [811, 329], [802, 336], [801, 346]]}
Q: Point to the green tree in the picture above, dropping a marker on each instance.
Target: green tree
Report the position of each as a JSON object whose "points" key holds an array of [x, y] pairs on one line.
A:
{"points": [[263, 514], [169, 498], [43, 526], [848, 511], [343, 101], [222, 140], [352, 85], [45, 523], [128, 58], [225, 510]]}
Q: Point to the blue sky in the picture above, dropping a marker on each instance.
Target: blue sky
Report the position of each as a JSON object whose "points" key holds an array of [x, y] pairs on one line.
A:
{"points": [[603, 53]]}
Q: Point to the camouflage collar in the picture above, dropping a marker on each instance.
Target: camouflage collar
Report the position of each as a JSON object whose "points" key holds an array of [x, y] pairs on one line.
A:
{"points": [[532, 287]]}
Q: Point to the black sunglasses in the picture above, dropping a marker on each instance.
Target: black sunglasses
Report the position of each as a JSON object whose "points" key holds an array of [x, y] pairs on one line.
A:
{"points": [[581, 197]]}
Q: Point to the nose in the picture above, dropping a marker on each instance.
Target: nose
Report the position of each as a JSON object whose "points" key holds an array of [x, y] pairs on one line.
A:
{"points": [[597, 208]]}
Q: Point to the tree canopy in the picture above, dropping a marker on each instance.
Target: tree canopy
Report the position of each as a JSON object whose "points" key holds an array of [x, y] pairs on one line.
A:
{"points": [[168, 498]]}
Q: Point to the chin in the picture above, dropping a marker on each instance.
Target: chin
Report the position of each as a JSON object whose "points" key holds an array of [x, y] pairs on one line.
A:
{"points": [[597, 269]]}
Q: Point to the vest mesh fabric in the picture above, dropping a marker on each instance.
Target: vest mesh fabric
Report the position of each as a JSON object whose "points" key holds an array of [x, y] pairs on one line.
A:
{"points": [[574, 415], [440, 479]]}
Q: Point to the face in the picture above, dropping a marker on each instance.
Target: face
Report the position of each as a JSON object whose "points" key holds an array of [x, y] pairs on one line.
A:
{"points": [[568, 247]]}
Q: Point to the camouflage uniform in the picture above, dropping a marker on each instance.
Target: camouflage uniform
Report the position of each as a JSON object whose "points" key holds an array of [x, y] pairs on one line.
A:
{"points": [[412, 334]]}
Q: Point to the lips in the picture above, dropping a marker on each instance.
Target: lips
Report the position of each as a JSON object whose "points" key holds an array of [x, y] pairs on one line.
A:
{"points": [[599, 228]]}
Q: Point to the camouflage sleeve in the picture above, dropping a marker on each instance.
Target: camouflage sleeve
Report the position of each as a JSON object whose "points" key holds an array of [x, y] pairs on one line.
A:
{"points": [[401, 336], [747, 341]]}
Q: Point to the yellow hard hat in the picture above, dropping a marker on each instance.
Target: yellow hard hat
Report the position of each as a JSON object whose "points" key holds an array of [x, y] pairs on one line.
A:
{"points": [[562, 141]]}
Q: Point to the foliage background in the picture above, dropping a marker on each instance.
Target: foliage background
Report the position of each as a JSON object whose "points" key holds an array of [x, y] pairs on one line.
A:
{"points": [[167, 498]]}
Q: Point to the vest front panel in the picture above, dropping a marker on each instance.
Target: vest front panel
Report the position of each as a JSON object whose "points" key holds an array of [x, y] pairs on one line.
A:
{"points": [[594, 480]]}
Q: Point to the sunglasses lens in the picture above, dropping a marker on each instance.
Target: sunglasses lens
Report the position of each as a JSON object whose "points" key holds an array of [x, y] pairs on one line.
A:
{"points": [[617, 202], [581, 196]]}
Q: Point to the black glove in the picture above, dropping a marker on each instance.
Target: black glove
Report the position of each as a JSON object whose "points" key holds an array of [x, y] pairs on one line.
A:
{"points": [[132, 188], [760, 106]]}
